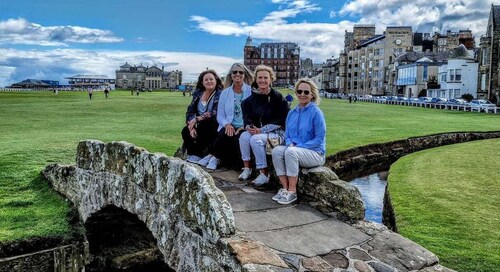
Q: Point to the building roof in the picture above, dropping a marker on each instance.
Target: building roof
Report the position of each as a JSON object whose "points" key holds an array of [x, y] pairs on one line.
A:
{"points": [[126, 65], [32, 82], [89, 76], [371, 40], [410, 57], [461, 52], [249, 41]]}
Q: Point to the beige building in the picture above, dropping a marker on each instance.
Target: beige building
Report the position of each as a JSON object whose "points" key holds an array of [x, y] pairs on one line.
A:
{"points": [[150, 78], [366, 66]]}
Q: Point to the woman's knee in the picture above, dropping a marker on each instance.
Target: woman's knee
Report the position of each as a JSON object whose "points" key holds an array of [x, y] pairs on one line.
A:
{"points": [[292, 152]]}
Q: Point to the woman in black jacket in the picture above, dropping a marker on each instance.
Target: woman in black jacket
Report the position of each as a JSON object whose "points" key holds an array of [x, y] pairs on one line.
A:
{"points": [[264, 116], [201, 116]]}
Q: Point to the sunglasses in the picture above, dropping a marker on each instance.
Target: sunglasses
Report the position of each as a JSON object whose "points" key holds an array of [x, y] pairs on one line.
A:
{"points": [[306, 92], [237, 72]]}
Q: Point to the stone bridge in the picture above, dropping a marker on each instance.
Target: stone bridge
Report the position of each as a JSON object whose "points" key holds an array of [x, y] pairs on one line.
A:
{"points": [[213, 222], [177, 201]]}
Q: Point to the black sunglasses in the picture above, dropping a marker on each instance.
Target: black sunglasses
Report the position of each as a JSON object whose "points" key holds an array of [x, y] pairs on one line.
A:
{"points": [[237, 72], [299, 92]]}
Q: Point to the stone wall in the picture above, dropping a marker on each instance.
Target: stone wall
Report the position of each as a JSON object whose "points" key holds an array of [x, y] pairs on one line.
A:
{"points": [[363, 159], [178, 202]]}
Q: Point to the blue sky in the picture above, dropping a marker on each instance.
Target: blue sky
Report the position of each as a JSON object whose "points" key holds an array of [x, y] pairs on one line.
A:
{"points": [[48, 39]]}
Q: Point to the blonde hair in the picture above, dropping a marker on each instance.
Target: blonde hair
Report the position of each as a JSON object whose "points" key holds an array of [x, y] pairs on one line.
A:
{"points": [[314, 89], [266, 68], [248, 75]]}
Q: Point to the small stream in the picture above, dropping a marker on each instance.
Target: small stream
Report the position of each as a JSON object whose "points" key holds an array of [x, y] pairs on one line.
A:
{"points": [[372, 189]]}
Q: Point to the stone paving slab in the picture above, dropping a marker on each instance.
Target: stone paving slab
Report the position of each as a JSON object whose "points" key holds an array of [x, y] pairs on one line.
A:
{"points": [[252, 202], [286, 216], [312, 239], [225, 174]]}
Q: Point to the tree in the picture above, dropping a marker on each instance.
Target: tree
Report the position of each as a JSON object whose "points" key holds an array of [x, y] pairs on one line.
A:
{"points": [[468, 97]]}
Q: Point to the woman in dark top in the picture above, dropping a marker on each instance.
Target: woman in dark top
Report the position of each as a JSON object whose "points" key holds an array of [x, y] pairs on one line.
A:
{"points": [[264, 115], [201, 123]]}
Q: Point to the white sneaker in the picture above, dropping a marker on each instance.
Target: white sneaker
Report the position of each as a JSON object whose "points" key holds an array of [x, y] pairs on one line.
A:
{"points": [[213, 163], [193, 158], [245, 174], [260, 180], [205, 160], [279, 194], [288, 198]]}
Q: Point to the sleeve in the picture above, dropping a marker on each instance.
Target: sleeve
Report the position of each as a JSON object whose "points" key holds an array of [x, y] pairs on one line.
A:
{"points": [[246, 108], [191, 109], [221, 114], [319, 131], [288, 140]]}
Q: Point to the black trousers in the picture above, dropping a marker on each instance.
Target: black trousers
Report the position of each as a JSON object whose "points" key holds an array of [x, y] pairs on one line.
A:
{"points": [[227, 149], [199, 146]]}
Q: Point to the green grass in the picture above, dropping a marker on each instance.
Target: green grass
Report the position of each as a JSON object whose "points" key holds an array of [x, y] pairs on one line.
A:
{"points": [[40, 128], [447, 199]]}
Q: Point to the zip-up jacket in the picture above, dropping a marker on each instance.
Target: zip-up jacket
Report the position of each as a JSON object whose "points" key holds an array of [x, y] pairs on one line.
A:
{"points": [[265, 111]]}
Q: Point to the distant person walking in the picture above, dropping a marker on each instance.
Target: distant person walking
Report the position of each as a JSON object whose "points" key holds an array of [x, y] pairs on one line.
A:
{"points": [[90, 93], [350, 99], [106, 93], [289, 99]]}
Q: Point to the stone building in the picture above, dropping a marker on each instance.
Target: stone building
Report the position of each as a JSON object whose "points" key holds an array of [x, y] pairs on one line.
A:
{"points": [[366, 66], [150, 78], [450, 40], [330, 75], [488, 81], [283, 57]]}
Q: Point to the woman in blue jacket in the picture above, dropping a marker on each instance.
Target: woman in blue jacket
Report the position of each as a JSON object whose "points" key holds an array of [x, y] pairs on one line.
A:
{"points": [[230, 118], [305, 141]]}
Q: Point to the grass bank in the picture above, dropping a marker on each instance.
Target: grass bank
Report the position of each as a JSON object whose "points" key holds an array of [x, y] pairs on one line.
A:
{"points": [[447, 198], [42, 128]]}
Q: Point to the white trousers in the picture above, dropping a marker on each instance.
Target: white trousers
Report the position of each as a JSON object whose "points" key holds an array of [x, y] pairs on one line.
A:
{"points": [[256, 144], [288, 159]]}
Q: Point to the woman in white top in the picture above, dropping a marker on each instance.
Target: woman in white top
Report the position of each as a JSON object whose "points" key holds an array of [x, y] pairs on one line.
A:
{"points": [[230, 119]]}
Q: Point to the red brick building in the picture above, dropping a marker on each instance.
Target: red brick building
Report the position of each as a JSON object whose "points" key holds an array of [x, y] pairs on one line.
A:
{"points": [[284, 58]]}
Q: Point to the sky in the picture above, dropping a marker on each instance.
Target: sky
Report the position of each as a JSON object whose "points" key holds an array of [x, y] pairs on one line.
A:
{"points": [[53, 39]]}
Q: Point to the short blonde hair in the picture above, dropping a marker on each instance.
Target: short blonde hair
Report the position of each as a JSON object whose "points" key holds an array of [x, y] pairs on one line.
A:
{"points": [[314, 89], [266, 68]]}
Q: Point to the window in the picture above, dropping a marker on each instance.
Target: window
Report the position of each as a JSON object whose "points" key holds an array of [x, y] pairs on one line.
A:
{"points": [[458, 74]]}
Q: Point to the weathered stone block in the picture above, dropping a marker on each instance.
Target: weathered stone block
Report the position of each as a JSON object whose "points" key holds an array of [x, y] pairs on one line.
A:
{"points": [[323, 185]]}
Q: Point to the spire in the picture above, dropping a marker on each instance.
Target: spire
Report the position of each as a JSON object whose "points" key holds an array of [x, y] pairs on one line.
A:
{"points": [[249, 41]]}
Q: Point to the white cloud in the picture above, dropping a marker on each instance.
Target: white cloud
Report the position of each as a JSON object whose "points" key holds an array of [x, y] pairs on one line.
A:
{"points": [[320, 41], [422, 15], [17, 65], [21, 31]]}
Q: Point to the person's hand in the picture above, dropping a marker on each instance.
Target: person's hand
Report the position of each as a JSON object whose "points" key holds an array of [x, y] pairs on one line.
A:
{"points": [[239, 130], [191, 124], [230, 130], [193, 133], [253, 130]]}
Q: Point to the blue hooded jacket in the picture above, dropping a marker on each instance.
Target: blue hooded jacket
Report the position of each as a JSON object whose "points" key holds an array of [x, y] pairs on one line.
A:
{"points": [[306, 128]]}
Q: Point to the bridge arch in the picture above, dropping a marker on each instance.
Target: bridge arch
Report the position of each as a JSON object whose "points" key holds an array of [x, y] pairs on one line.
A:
{"points": [[177, 201]]}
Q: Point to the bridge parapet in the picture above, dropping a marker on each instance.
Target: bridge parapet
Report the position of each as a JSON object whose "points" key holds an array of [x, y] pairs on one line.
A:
{"points": [[178, 202]]}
